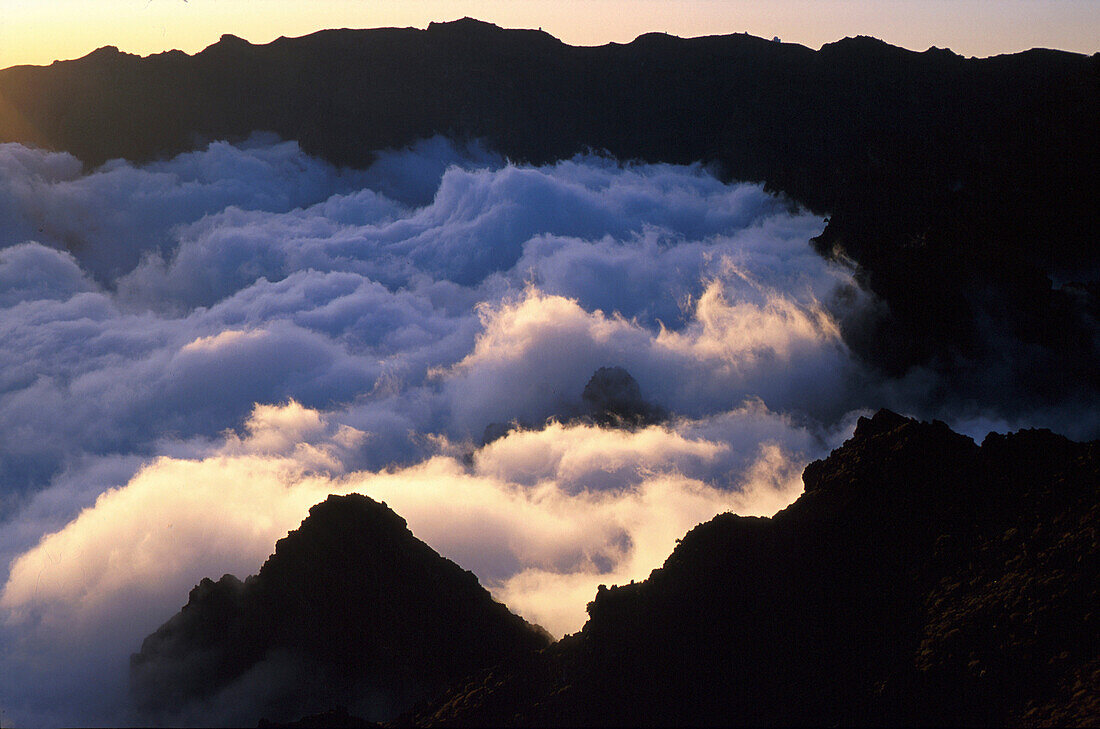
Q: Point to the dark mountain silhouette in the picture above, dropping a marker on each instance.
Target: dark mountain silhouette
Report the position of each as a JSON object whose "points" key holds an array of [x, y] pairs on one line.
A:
{"points": [[960, 186], [352, 610], [920, 579], [611, 398]]}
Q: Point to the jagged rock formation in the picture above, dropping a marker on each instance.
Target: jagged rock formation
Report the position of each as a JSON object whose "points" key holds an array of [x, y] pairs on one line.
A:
{"points": [[613, 397], [959, 185], [920, 579], [351, 610]]}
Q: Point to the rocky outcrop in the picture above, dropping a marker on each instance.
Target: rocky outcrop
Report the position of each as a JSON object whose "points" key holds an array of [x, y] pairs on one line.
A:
{"points": [[612, 397], [921, 579], [351, 610]]}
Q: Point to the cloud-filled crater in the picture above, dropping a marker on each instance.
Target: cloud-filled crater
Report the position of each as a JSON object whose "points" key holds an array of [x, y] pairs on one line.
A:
{"points": [[197, 350]]}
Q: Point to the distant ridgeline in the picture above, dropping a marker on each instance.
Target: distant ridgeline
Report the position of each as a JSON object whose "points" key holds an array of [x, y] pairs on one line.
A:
{"points": [[959, 185], [920, 579]]}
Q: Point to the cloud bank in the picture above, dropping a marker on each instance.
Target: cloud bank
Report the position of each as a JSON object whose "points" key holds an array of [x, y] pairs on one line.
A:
{"points": [[195, 351]]}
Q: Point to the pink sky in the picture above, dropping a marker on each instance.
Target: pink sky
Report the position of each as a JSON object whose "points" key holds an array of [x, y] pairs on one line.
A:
{"points": [[40, 31]]}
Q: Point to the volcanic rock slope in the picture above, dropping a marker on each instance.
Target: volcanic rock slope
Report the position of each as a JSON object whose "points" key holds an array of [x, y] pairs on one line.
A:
{"points": [[352, 610], [920, 579]]}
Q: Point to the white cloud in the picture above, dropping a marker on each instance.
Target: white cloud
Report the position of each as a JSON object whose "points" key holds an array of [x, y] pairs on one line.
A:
{"points": [[86, 594], [195, 351]]}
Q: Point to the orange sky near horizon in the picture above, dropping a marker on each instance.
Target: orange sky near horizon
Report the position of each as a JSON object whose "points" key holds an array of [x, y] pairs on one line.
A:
{"points": [[41, 31]]}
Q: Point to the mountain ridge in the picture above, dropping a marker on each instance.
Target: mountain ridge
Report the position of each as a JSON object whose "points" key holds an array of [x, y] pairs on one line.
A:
{"points": [[962, 189], [467, 23], [920, 579]]}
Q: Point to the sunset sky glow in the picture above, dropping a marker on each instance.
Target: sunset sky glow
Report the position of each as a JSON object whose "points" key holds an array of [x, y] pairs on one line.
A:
{"points": [[41, 31]]}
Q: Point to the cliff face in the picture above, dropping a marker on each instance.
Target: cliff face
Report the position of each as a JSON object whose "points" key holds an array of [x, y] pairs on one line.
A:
{"points": [[351, 610], [920, 579]]}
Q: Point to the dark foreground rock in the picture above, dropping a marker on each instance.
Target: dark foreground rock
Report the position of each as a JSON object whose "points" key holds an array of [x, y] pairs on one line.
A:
{"points": [[352, 610], [920, 579]]}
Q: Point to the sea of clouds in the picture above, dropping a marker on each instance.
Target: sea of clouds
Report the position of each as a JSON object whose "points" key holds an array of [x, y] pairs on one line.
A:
{"points": [[195, 351]]}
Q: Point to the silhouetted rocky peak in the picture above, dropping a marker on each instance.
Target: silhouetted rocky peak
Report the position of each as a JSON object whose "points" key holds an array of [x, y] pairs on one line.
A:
{"points": [[943, 53], [351, 610], [230, 41], [466, 25], [108, 55], [890, 459], [482, 41], [864, 42], [884, 421], [656, 41], [227, 48], [613, 397]]}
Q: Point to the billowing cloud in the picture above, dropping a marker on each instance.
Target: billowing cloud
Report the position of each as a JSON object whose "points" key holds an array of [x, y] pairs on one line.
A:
{"points": [[193, 352], [526, 525], [536, 353]]}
